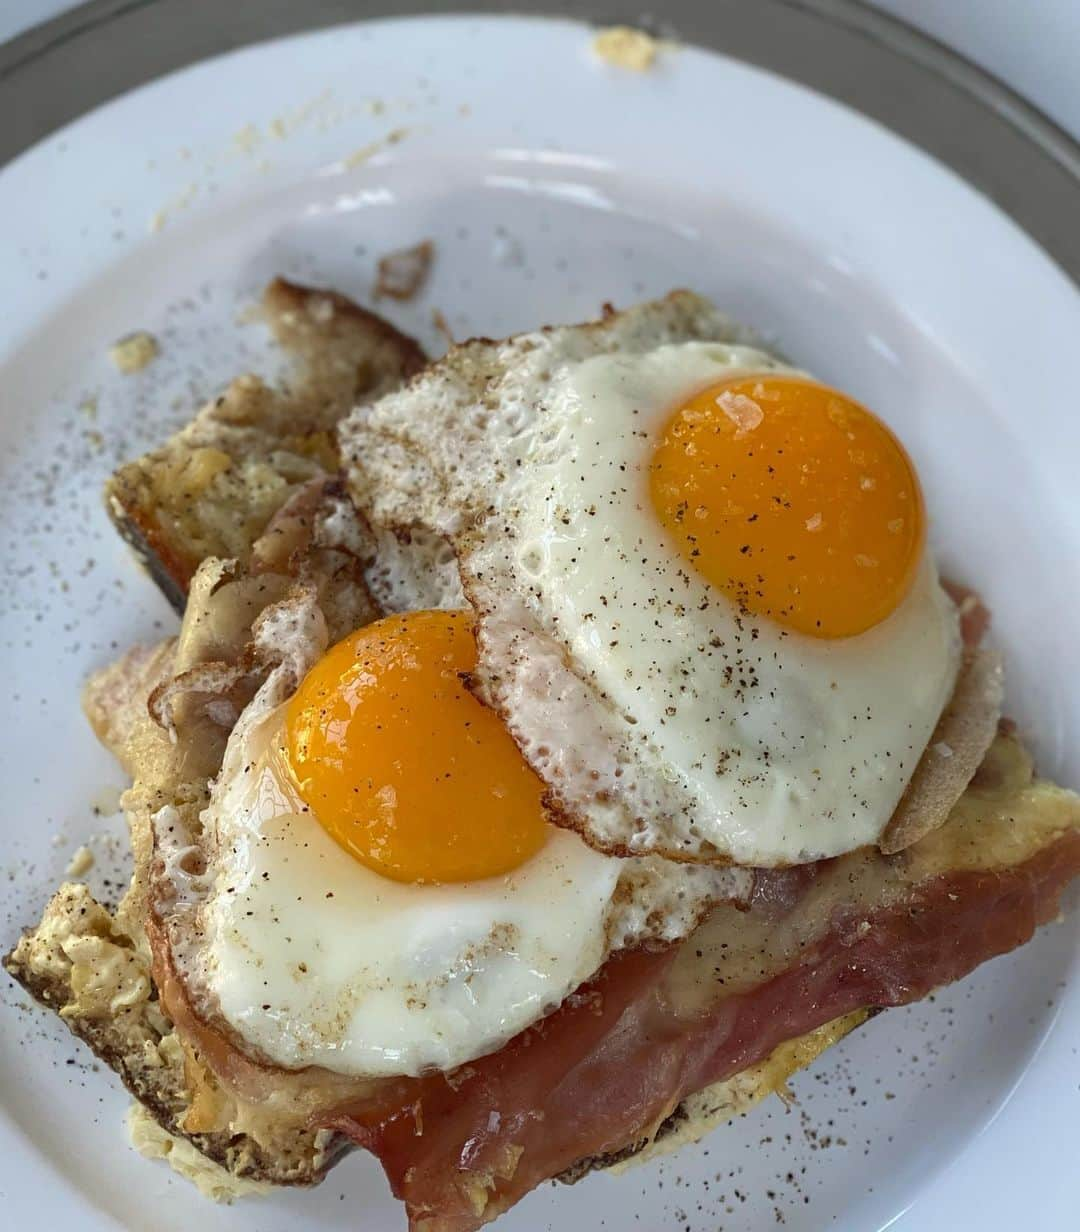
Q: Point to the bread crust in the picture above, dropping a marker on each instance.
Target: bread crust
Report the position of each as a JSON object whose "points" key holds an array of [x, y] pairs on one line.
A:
{"points": [[211, 489]]}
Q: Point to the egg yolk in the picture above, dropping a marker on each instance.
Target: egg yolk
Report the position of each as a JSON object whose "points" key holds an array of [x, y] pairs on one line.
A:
{"points": [[402, 766], [792, 499]]}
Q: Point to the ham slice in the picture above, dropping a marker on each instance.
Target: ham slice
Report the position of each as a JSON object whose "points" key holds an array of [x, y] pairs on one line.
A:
{"points": [[604, 1071], [608, 1067]]}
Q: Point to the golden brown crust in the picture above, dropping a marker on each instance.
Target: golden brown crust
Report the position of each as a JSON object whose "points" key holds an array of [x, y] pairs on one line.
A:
{"points": [[362, 348], [114, 701], [213, 487]]}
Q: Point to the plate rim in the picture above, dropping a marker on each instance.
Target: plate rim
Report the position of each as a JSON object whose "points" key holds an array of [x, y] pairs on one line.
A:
{"points": [[946, 105]]}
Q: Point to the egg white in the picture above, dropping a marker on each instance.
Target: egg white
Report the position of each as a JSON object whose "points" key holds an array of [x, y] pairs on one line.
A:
{"points": [[311, 958], [316, 959], [662, 720]]}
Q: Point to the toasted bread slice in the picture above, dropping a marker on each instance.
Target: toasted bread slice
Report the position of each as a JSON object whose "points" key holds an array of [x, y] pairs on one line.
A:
{"points": [[212, 488], [80, 963]]}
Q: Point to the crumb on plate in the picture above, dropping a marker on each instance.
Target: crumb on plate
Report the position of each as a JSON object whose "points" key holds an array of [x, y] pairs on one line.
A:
{"points": [[81, 862], [442, 325], [134, 352], [624, 47], [358, 157], [402, 274]]}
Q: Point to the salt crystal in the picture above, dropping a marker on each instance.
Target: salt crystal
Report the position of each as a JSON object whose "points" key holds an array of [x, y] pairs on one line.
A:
{"points": [[743, 412]]}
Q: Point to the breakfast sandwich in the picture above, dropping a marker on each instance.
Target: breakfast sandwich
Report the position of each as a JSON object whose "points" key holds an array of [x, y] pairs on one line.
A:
{"points": [[594, 750]]}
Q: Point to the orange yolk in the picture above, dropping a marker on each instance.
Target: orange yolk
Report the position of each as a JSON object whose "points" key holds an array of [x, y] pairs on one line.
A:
{"points": [[402, 766], [792, 499]]}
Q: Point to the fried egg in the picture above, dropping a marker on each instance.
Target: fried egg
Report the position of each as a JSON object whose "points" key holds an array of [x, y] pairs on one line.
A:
{"points": [[377, 889], [705, 607]]}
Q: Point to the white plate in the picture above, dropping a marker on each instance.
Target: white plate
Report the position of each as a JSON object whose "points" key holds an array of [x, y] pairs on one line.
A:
{"points": [[550, 183]]}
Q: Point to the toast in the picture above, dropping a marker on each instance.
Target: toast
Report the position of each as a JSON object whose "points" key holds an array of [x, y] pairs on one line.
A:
{"points": [[211, 489]]}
